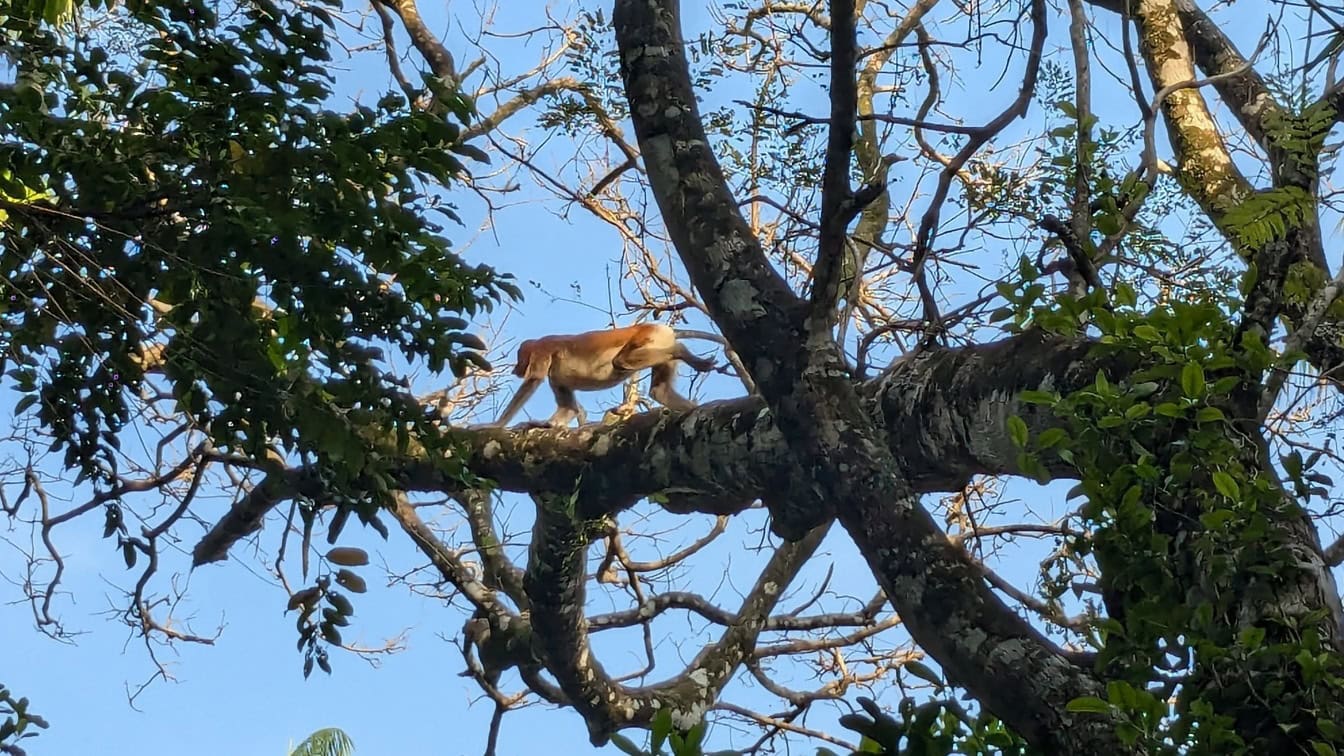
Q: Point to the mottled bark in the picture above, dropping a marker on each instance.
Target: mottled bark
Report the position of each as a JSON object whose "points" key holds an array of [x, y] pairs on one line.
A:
{"points": [[942, 411], [847, 468]]}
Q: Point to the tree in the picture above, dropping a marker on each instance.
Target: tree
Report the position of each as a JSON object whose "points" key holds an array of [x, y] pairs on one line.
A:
{"points": [[1144, 313]]}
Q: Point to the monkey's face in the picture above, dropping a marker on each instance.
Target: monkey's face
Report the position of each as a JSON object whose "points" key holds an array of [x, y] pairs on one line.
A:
{"points": [[524, 357]]}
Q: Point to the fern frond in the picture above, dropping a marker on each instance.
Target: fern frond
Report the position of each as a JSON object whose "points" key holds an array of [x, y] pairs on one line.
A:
{"points": [[1268, 215]]}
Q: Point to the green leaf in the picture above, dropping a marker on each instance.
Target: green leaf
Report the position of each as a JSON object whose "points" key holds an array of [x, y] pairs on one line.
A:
{"points": [[1088, 705], [1138, 410], [1145, 389], [1192, 380], [1052, 437], [1168, 409], [1017, 430], [1147, 332], [661, 728], [1226, 485], [1122, 694], [24, 404], [1032, 396], [1252, 637], [923, 672], [1209, 414], [1292, 463], [694, 737]]}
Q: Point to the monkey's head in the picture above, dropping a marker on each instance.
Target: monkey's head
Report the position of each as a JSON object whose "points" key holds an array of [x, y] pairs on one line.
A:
{"points": [[524, 357]]}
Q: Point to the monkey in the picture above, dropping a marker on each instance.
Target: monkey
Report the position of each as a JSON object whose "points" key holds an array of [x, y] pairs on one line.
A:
{"points": [[601, 359]]}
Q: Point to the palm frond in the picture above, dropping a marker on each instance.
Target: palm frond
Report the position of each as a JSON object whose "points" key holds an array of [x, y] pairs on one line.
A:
{"points": [[329, 741]]}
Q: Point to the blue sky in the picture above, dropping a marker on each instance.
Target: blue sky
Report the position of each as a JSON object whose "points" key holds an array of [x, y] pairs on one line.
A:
{"points": [[246, 694]]}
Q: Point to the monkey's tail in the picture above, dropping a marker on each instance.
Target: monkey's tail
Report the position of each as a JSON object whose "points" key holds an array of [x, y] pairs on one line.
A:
{"points": [[728, 352], [706, 335]]}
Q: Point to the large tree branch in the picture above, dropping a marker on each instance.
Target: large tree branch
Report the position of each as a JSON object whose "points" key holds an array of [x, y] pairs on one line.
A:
{"points": [[555, 582], [938, 590], [722, 456], [425, 41], [1243, 89], [1206, 167]]}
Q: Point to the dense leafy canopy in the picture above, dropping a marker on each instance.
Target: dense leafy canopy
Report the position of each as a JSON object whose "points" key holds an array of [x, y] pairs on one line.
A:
{"points": [[191, 204]]}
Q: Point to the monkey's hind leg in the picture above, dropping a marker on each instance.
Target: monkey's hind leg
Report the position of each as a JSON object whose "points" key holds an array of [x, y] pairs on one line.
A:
{"points": [[643, 352], [662, 390], [566, 408]]}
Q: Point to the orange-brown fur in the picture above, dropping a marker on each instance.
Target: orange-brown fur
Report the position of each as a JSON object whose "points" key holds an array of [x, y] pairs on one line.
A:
{"points": [[601, 359]]}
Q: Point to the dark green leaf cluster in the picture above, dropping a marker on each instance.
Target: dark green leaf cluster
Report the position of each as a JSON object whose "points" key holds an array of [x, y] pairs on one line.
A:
{"points": [[317, 630], [18, 720], [197, 210], [662, 732], [1189, 528], [1300, 137], [932, 728]]}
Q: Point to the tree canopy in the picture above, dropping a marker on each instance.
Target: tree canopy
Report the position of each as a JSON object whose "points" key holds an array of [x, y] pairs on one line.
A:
{"points": [[956, 253]]}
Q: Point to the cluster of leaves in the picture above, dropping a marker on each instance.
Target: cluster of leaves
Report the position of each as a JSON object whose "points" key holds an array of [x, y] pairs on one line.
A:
{"points": [[1189, 526], [313, 627], [1268, 215], [196, 210], [932, 728], [16, 724], [663, 733]]}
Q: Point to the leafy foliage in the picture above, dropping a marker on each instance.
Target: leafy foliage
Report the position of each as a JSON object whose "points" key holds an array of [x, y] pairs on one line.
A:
{"points": [[663, 733], [932, 728], [196, 210], [315, 629], [1268, 215], [1187, 525], [18, 720]]}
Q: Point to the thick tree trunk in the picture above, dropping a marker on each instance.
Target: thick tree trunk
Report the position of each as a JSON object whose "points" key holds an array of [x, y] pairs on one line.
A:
{"points": [[939, 591]]}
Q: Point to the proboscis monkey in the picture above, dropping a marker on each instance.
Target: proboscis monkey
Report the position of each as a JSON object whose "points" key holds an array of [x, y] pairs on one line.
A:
{"points": [[601, 359]]}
